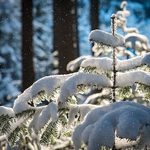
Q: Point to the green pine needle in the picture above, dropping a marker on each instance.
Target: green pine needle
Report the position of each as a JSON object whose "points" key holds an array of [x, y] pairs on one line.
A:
{"points": [[26, 113], [50, 133]]}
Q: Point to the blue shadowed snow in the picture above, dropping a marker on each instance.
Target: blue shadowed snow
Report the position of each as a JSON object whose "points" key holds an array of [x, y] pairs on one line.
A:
{"points": [[146, 60]]}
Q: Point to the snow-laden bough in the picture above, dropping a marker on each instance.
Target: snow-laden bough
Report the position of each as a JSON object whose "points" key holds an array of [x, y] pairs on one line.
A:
{"points": [[46, 84], [126, 121], [106, 38], [70, 86], [98, 113], [131, 77], [137, 41], [105, 63]]}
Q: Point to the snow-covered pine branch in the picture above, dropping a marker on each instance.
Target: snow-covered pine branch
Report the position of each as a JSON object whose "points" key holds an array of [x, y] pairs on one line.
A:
{"points": [[75, 64], [46, 84], [70, 86], [137, 41], [106, 38], [112, 110], [105, 63], [129, 78]]}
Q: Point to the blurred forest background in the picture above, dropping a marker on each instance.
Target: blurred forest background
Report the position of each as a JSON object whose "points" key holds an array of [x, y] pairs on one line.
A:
{"points": [[39, 37]]}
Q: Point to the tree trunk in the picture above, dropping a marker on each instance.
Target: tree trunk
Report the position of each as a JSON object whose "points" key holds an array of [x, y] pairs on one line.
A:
{"points": [[94, 14], [27, 47], [65, 32]]}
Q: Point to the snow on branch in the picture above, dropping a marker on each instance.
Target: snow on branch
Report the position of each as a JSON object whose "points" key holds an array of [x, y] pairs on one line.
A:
{"points": [[70, 86], [49, 113], [106, 38], [46, 84], [128, 64], [75, 64], [6, 111], [99, 126], [21, 103], [146, 59], [81, 110], [129, 78], [137, 41], [127, 121], [105, 63]]}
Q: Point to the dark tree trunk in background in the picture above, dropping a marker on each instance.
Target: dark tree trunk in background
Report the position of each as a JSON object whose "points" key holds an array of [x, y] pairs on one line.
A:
{"points": [[65, 32], [94, 13], [27, 47]]}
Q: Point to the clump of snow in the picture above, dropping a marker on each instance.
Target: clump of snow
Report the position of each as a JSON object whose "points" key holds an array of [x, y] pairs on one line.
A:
{"points": [[36, 115], [121, 19], [75, 64], [6, 111], [131, 77], [79, 110], [106, 38], [121, 119], [103, 63], [138, 41], [49, 113], [122, 65], [127, 121], [21, 103], [146, 59], [92, 99], [48, 84]]}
